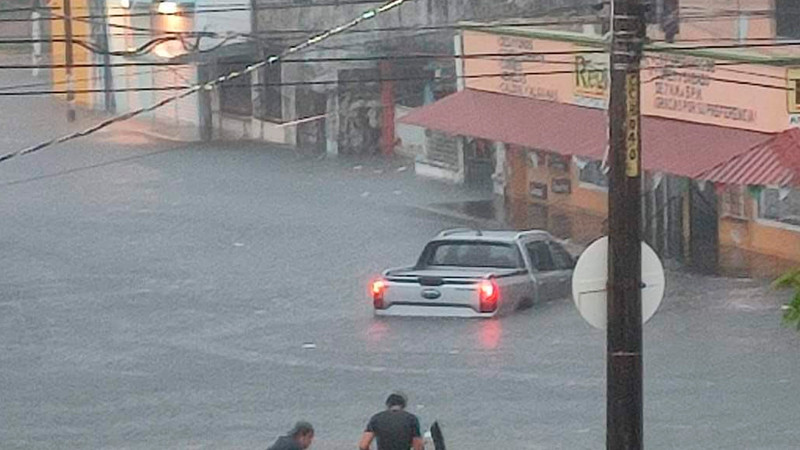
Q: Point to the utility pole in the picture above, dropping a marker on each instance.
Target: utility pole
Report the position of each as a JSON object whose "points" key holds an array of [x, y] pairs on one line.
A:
{"points": [[100, 36], [624, 422], [68, 60]]}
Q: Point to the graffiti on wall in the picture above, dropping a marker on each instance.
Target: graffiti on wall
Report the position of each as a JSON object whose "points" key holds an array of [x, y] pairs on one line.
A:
{"points": [[359, 113]]}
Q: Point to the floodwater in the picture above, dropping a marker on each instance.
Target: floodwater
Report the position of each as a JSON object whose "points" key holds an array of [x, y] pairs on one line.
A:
{"points": [[580, 229]]}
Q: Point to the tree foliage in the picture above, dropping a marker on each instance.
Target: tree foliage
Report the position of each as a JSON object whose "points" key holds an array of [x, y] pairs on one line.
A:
{"points": [[791, 311]]}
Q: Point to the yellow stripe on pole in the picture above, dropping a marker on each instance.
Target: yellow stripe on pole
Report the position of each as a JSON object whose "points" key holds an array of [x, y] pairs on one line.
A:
{"points": [[632, 122]]}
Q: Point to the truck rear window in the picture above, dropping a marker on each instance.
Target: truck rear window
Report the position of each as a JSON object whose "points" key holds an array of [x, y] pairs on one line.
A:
{"points": [[473, 254]]}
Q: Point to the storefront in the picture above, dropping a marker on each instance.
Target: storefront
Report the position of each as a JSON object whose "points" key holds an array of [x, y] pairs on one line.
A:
{"points": [[546, 101], [760, 204]]}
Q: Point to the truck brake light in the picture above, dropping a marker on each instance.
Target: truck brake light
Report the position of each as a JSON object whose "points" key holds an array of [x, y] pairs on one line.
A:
{"points": [[488, 293], [378, 289]]}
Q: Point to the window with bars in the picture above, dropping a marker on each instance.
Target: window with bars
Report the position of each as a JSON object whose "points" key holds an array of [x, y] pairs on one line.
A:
{"points": [[780, 205], [269, 103], [235, 97], [592, 173]]}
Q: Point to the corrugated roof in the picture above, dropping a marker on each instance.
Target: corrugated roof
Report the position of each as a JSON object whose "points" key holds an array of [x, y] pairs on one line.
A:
{"points": [[775, 162]]}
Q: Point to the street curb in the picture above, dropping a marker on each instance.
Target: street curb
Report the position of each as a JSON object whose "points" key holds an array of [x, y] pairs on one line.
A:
{"points": [[479, 221], [164, 137], [158, 135]]}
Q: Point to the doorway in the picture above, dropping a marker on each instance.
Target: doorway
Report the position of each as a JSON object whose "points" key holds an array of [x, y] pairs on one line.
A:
{"points": [[704, 227], [479, 164]]}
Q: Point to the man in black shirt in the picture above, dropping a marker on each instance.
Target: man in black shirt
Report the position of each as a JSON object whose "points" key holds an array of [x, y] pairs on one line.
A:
{"points": [[394, 428], [298, 439]]}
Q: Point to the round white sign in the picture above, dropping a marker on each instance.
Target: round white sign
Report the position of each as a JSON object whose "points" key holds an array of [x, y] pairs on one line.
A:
{"points": [[590, 278]]}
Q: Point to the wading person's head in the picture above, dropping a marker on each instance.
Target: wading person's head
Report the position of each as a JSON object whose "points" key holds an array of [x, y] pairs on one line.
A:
{"points": [[396, 400], [303, 434]]}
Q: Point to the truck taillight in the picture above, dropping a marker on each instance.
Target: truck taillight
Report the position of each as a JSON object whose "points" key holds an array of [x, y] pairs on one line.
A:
{"points": [[488, 293], [378, 289]]}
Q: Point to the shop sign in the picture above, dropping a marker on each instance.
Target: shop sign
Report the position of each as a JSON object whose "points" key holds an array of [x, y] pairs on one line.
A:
{"points": [[687, 86], [793, 92], [675, 86], [513, 68], [591, 80]]}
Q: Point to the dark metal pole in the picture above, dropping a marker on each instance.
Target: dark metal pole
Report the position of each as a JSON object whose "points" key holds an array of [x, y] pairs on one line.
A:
{"points": [[624, 336], [100, 34], [68, 60]]}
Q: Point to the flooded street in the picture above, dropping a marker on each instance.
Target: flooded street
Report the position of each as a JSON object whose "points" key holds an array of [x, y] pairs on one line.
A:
{"points": [[198, 296]]}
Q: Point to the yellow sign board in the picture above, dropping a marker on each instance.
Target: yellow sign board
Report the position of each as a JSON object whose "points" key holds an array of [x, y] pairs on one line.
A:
{"points": [[591, 75], [793, 91], [632, 125]]}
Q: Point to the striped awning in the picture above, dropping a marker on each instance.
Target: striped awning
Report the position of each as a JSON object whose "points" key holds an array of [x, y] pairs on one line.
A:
{"points": [[775, 162]]}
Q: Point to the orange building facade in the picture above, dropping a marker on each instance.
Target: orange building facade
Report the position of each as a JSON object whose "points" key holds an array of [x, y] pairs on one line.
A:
{"points": [[698, 86], [701, 107]]}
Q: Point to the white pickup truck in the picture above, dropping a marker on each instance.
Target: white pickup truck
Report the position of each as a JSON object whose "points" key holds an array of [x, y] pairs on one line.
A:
{"points": [[473, 273]]}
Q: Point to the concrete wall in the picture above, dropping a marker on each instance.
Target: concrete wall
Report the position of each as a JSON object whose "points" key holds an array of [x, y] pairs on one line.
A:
{"points": [[316, 19], [760, 236], [13, 29], [720, 21], [412, 138], [237, 20]]}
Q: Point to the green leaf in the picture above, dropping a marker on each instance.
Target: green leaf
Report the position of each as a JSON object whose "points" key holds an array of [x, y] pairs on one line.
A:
{"points": [[791, 311], [790, 279]]}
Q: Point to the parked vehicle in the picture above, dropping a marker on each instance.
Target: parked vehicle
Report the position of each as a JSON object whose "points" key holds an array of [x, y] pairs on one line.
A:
{"points": [[473, 273]]}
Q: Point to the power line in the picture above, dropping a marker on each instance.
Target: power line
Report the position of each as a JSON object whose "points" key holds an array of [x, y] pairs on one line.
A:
{"points": [[483, 56], [148, 46], [189, 90], [77, 80], [488, 56], [509, 74], [287, 33], [445, 26], [365, 16], [236, 7], [683, 18], [193, 11], [414, 56], [525, 57]]}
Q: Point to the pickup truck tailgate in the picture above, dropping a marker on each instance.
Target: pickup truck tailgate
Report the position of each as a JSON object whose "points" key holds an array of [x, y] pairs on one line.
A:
{"points": [[439, 292]]}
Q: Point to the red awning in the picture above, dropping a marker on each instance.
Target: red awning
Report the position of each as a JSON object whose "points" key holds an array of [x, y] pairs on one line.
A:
{"points": [[775, 162], [672, 146]]}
